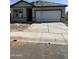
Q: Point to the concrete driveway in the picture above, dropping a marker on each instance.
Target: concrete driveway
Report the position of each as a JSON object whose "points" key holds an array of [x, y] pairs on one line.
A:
{"points": [[48, 27], [45, 41]]}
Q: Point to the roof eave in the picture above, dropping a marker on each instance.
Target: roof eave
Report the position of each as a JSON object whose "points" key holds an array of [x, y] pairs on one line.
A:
{"points": [[53, 6], [65, 5]]}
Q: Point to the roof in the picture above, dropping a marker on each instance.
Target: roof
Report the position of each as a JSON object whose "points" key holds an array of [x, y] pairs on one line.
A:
{"points": [[46, 3], [40, 4], [20, 2]]}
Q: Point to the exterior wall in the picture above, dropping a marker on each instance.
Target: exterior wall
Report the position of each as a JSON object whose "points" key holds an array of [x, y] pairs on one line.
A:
{"points": [[48, 8], [33, 12], [24, 11], [17, 19], [11, 12]]}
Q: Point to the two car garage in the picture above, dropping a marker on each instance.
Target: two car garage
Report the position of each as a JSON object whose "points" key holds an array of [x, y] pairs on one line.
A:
{"points": [[48, 15]]}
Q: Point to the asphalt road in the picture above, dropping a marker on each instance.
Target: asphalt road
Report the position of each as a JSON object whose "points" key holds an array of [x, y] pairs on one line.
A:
{"points": [[39, 51]]}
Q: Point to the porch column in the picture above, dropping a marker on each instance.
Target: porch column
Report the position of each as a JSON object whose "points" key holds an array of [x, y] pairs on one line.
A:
{"points": [[33, 14], [24, 12]]}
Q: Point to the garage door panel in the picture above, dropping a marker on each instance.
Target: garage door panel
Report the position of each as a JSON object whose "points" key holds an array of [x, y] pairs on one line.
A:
{"points": [[48, 15]]}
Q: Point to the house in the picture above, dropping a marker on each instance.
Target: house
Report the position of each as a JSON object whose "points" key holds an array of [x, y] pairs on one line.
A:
{"points": [[37, 11]]}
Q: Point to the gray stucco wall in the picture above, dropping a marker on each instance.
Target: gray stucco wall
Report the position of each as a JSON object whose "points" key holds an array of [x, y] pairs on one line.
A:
{"points": [[33, 13], [16, 19], [24, 11]]}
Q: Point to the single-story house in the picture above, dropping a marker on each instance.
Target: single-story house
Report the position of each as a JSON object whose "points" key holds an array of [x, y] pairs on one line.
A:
{"points": [[37, 11]]}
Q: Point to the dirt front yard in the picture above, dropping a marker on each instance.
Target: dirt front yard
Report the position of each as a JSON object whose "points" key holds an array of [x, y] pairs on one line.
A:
{"points": [[18, 27]]}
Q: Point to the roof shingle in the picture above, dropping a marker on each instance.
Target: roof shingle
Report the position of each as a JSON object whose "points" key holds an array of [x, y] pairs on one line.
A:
{"points": [[46, 3]]}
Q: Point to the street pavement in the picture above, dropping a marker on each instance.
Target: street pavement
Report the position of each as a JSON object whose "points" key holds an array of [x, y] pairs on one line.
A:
{"points": [[45, 41], [39, 51]]}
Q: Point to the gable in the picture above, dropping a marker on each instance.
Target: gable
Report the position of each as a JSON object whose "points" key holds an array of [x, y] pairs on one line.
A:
{"points": [[21, 4]]}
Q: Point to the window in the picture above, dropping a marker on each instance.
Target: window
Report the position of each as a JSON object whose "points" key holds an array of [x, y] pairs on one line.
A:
{"points": [[17, 12]]}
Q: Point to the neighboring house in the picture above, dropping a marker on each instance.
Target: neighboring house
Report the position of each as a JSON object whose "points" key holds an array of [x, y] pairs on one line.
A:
{"points": [[38, 11], [66, 18]]}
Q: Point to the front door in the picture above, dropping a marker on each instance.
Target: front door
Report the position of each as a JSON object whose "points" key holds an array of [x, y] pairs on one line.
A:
{"points": [[29, 15]]}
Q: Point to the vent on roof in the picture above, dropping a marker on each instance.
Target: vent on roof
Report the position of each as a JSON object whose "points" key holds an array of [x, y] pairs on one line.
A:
{"points": [[40, 2], [21, 0]]}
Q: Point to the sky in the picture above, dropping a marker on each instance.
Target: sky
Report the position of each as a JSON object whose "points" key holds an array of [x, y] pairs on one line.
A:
{"points": [[57, 1]]}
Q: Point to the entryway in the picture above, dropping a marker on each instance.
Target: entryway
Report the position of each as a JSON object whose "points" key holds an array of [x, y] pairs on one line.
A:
{"points": [[29, 15]]}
